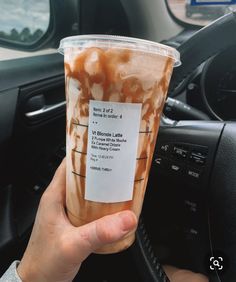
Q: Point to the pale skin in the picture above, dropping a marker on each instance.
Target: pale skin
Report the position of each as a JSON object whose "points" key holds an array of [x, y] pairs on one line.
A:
{"points": [[56, 248]]}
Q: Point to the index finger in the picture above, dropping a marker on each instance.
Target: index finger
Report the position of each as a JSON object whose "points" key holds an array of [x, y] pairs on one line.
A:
{"points": [[58, 183]]}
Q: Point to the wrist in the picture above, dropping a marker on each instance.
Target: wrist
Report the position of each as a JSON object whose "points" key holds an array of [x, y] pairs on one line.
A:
{"points": [[29, 273]]}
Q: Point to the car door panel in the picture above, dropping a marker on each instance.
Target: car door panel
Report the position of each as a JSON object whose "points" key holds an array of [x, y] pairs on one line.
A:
{"points": [[30, 148]]}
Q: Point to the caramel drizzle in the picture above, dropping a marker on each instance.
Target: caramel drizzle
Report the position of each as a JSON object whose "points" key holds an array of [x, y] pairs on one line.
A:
{"points": [[129, 88]]}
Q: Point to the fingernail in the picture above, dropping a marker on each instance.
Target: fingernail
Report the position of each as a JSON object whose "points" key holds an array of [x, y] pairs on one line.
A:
{"points": [[129, 220]]}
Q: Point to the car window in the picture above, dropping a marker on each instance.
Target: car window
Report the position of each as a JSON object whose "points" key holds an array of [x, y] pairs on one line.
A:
{"points": [[23, 22], [187, 12]]}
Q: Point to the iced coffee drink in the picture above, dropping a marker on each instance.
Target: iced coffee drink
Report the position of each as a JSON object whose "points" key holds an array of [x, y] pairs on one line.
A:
{"points": [[115, 92]]}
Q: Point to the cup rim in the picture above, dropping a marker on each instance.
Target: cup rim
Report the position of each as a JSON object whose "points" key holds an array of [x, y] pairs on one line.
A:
{"points": [[121, 42]]}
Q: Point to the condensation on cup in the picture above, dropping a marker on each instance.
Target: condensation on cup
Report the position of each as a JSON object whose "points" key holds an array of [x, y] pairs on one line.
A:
{"points": [[115, 92]]}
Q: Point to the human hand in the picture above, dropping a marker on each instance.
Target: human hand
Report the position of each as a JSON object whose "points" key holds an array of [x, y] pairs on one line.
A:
{"points": [[56, 248], [181, 275]]}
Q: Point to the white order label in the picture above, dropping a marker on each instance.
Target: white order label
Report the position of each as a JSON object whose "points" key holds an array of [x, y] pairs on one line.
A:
{"points": [[112, 151]]}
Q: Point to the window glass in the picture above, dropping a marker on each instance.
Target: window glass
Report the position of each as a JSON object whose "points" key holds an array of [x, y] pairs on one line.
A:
{"points": [[185, 11], [24, 21]]}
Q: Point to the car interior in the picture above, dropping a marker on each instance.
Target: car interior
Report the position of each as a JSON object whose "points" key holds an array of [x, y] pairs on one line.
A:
{"points": [[188, 217]]}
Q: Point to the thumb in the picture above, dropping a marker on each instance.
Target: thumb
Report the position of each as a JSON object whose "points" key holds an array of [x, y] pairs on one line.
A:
{"points": [[105, 230]]}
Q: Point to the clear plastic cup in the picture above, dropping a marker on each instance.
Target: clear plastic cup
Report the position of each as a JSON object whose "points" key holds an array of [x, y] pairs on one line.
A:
{"points": [[115, 91]]}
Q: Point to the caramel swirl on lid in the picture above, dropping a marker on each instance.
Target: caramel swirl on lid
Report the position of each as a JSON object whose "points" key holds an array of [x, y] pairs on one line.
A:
{"points": [[117, 75]]}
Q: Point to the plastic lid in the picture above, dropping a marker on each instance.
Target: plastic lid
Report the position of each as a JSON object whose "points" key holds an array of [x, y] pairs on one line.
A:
{"points": [[113, 41]]}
